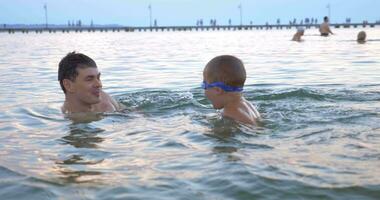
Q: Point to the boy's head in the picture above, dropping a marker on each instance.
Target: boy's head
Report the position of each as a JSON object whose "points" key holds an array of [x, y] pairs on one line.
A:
{"points": [[362, 36], [78, 76], [223, 75], [326, 19]]}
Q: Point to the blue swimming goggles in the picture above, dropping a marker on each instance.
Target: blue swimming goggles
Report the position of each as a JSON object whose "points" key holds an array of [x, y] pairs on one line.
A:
{"points": [[221, 85]]}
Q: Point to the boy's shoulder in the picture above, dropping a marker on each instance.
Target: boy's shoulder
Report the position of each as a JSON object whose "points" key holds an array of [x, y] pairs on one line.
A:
{"points": [[244, 112]]}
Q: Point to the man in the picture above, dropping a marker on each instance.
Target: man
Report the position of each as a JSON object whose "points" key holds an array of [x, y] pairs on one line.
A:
{"points": [[79, 78], [324, 28]]}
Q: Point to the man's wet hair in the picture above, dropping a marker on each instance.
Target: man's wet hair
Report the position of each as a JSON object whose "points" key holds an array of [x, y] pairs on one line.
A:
{"points": [[67, 68], [227, 69]]}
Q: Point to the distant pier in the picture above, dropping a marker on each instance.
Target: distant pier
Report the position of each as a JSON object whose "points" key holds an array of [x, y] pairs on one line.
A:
{"points": [[77, 29]]}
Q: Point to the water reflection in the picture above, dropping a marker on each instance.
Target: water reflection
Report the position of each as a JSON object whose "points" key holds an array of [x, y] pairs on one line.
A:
{"points": [[83, 136], [75, 161], [84, 117], [224, 130]]}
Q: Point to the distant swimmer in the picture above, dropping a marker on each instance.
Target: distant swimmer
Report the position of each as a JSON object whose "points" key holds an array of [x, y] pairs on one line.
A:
{"points": [[324, 28], [297, 36], [362, 37]]}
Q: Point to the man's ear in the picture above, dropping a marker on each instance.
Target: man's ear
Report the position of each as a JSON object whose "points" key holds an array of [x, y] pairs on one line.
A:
{"points": [[68, 84]]}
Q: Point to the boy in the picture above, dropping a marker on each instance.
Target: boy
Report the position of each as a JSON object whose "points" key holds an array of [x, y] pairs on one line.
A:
{"points": [[223, 81], [79, 78]]}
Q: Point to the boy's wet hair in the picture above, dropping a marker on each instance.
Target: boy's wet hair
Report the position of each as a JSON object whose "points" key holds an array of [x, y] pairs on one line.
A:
{"points": [[68, 66], [326, 19], [227, 69]]}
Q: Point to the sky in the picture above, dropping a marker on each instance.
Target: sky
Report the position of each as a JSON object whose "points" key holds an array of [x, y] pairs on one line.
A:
{"points": [[183, 12]]}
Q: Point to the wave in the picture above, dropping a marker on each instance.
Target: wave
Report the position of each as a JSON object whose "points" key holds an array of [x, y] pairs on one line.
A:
{"points": [[316, 95], [298, 93], [157, 100]]}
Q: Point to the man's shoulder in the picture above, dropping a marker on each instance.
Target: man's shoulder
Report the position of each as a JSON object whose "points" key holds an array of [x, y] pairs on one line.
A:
{"points": [[64, 109], [109, 102], [105, 96], [106, 104]]}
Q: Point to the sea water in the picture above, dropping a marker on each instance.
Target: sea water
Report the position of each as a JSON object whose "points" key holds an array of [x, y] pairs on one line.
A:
{"points": [[320, 102]]}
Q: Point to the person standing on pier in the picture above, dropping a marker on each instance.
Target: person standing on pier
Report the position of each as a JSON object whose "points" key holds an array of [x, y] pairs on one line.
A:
{"points": [[324, 28]]}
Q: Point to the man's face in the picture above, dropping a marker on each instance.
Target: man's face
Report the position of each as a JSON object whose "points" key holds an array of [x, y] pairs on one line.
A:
{"points": [[87, 85]]}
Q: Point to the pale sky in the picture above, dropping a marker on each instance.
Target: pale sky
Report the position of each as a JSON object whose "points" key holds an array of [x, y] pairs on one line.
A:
{"points": [[183, 12]]}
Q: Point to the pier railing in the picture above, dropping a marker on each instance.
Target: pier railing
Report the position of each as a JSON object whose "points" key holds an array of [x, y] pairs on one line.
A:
{"points": [[67, 29]]}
